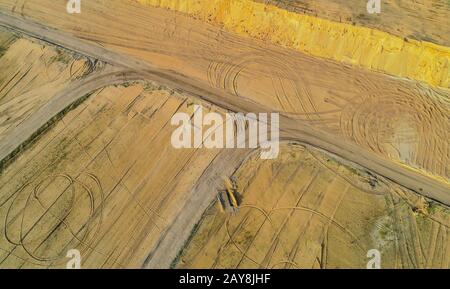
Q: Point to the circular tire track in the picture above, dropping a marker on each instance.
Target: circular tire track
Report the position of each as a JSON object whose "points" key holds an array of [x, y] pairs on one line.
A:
{"points": [[292, 92], [411, 123], [32, 209]]}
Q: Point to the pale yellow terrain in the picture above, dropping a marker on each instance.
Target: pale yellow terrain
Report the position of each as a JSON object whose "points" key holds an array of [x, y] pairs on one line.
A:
{"points": [[410, 125], [104, 180], [31, 74], [361, 46], [426, 20], [307, 209]]}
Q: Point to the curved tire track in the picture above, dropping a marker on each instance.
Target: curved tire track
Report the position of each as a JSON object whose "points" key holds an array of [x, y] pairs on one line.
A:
{"points": [[174, 236]]}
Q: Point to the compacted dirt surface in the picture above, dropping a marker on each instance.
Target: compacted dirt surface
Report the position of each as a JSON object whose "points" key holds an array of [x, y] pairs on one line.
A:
{"points": [[306, 199], [86, 102]]}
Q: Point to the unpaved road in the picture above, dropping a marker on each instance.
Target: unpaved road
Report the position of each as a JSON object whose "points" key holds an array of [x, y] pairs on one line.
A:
{"points": [[59, 102], [201, 195], [292, 128], [330, 96]]}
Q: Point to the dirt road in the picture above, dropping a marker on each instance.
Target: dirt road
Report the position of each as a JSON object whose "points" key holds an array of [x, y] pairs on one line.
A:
{"points": [[58, 103], [361, 106], [188, 79], [332, 97], [291, 129]]}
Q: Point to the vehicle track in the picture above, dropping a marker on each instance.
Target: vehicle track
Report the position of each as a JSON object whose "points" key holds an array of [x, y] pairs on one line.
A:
{"points": [[291, 129]]}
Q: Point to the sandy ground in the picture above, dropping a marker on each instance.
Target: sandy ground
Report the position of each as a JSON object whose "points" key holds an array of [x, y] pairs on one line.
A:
{"points": [[105, 179], [31, 74], [346, 43], [307, 209], [292, 128], [329, 96], [102, 180], [420, 20], [46, 114]]}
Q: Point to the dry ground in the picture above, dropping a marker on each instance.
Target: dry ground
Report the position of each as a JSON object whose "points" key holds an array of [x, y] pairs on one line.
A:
{"points": [[307, 209], [104, 180], [32, 73], [409, 125], [426, 20]]}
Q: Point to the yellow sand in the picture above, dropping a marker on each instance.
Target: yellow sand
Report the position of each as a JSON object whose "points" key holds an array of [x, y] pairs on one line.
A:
{"points": [[365, 47], [108, 171], [307, 209], [31, 75]]}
